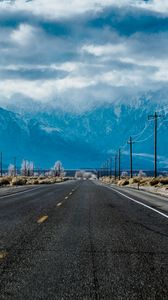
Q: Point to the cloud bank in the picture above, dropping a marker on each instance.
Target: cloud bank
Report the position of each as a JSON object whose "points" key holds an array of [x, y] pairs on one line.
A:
{"points": [[83, 54]]}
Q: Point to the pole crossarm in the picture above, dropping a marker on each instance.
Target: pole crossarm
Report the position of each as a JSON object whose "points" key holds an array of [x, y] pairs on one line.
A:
{"points": [[152, 117]]}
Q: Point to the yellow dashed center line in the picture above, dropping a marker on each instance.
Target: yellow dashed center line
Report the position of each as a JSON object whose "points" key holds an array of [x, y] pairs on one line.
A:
{"points": [[42, 219], [59, 204], [3, 254]]}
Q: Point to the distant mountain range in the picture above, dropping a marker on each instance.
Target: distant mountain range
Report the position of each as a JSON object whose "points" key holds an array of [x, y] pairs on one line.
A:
{"points": [[83, 140]]}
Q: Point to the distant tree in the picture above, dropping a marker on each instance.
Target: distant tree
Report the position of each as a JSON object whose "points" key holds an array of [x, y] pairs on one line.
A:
{"points": [[30, 168], [79, 174], [27, 168], [84, 175], [124, 174], [87, 175], [57, 169], [11, 170], [141, 174]]}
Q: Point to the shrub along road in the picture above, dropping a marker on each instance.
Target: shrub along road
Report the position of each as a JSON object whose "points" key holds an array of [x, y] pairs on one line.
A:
{"points": [[79, 240]]}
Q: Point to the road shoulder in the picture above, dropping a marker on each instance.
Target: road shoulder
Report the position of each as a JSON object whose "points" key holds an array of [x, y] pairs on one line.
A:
{"points": [[154, 201]]}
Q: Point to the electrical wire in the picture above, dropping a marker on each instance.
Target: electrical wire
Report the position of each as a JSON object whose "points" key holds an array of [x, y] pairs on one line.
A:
{"points": [[142, 131]]}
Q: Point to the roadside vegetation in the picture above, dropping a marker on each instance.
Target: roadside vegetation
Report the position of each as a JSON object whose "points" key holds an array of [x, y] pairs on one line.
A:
{"points": [[25, 180], [141, 181], [157, 185], [27, 175]]}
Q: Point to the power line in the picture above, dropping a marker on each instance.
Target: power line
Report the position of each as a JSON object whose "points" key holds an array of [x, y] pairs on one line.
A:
{"points": [[142, 131], [124, 146], [145, 139]]}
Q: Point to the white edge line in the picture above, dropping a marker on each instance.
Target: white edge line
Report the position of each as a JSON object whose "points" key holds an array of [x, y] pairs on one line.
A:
{"points": [[138, 202], [18, 193]]}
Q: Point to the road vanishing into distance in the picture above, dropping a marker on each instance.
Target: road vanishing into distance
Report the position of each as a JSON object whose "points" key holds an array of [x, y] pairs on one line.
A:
{"points": [[83, 240]]}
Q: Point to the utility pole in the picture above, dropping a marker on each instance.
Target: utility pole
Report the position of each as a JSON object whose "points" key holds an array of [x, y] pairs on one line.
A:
{"points": [[115, 167], [25, 168], [119, 163], [14, 161], [33, 169], [1, 165], [155, 118], [107, 168], [130, 142], [101, 171], [110, 161]]}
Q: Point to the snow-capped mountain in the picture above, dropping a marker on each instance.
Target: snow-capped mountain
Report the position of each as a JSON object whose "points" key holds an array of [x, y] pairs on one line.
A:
{"points": [[86, 139], [33, 140]]}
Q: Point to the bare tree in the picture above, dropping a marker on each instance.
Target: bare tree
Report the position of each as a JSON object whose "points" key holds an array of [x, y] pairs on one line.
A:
{"points": [[11, 170], [57, 169]]}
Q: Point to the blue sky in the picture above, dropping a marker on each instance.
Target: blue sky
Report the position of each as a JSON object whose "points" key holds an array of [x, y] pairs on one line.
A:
{"points": [[76, 55]]}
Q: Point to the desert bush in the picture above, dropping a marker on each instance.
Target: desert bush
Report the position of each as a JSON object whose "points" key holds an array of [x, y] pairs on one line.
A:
{"points": [[4, 181], [123, 182], [18, 181], [108, 179], [45, 181], [163, 180], [32, 181], [154, 181], [145, 181], [134, 180], [131, 181]]}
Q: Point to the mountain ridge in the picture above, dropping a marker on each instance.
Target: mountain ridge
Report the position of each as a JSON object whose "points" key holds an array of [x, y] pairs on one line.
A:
{"points": [[83, 140]]}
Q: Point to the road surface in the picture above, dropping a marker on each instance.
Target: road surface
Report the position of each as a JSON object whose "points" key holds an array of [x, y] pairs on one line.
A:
{"points": [[81, 240]]}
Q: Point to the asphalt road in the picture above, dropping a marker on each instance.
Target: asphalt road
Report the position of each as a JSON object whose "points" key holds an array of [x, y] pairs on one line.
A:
{"points": [[81, 240]]}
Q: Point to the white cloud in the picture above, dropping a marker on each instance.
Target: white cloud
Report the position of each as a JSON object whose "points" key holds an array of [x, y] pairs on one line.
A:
{"points": [[43, 90], [55, 9], [23, 35], [66, 66], [125, 78], [86, 65], [102, 50], [160, 6]]}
